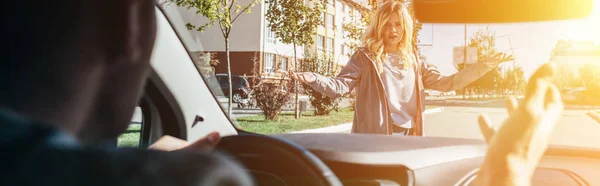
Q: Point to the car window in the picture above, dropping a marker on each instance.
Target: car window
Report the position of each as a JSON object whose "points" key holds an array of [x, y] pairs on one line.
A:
{"points": [[132, 136], [258, 54]]}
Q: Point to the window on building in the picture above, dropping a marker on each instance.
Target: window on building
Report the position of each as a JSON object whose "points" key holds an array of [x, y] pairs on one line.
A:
{"points": [[342, 49], [269, 63], [329, 22], [270, 36], [320, 44], [330, 3], [329, 47], [284, 64]]}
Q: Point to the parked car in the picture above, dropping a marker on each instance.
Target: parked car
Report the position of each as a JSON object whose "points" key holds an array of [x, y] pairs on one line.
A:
{"points": [[239, 84]]}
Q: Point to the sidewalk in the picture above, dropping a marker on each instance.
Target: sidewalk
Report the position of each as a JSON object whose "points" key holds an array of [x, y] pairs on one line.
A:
{"points": [[348, 126]]}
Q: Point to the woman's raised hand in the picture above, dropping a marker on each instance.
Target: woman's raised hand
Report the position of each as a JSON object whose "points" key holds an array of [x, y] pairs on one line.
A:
{"points": [[304, 77]]}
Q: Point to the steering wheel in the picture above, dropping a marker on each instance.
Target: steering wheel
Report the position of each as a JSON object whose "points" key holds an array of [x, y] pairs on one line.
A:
{"points": [[274, 161]]}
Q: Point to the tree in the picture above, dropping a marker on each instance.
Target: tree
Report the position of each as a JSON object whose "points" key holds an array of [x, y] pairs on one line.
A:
{"points": [[221, 12], [566, 78], [295, 22], [325, 66], [590, 75], [354, 30], [516, 80], [485, 42]]}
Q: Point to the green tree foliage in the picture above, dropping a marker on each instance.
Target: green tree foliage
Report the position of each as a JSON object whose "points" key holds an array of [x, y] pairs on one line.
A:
{"points": [[485, 42], [590, 75], [325, 66], [515, 80], [295, 22], [567, 78], [220, 12]]}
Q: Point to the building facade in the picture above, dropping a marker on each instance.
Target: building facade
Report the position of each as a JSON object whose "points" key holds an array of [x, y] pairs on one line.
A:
{"points": [[574, 54], [254, 46]]}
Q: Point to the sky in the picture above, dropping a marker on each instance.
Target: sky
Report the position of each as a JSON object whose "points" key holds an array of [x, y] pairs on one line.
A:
{"points": [[532, 42]]}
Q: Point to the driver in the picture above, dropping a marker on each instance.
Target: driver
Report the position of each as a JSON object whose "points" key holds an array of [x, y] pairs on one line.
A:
{"points": [[72, 73]]}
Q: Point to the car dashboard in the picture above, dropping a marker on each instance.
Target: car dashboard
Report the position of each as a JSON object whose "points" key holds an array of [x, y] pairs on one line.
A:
{"points": [[359, 159]]}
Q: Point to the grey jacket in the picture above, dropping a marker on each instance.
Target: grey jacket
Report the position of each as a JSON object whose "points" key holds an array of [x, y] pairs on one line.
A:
{"points": [[372, 114]]}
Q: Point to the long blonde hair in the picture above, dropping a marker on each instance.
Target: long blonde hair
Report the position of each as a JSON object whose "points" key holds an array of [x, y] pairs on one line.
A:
{"points": [[373, 39]]}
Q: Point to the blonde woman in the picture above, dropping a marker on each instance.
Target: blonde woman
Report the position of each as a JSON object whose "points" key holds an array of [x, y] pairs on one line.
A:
{"points": [[388, 78]]}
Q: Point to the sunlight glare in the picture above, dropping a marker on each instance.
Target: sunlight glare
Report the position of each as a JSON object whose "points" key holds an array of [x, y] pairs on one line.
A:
{"points": [[587, 28]]}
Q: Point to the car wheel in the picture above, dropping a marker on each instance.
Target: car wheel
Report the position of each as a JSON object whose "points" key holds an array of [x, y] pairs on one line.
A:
{"points": [[237, 97]]}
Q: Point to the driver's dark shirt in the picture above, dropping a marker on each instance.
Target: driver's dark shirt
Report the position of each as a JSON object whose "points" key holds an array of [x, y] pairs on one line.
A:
{"points": [[36, 154]]}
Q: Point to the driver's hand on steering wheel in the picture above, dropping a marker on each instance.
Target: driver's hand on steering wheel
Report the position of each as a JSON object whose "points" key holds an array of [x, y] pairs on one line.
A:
{"points": [[170, 143], [517, 146]]}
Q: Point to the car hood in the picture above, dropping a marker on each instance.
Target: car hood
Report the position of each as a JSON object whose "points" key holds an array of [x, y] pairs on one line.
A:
{"points": [[410, 151], [413, 152]]}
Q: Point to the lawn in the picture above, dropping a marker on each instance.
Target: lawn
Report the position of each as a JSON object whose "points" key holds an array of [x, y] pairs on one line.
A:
{"points": [[131, 137], [285, 123]]}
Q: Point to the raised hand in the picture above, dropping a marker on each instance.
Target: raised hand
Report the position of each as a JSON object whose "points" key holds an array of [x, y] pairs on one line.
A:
{"points": [[304, 77], [520, 142], [497, 59]]}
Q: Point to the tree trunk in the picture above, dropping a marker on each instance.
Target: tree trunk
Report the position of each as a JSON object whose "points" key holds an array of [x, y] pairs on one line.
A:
{"points": [[230, 102], [297, 87]]}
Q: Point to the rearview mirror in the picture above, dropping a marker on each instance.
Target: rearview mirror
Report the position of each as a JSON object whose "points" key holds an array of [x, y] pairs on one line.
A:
{"points": [[500, 11]]}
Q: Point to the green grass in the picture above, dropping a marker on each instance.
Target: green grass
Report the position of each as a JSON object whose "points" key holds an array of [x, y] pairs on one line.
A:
{"points": [[286, 122], [131, 137]]}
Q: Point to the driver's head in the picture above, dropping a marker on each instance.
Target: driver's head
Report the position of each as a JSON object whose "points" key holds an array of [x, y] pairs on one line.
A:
{"points": [[77, 64]]}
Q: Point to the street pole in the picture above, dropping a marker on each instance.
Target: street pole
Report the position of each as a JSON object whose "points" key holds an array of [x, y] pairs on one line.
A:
{"points": [[514, 62], [465, 57], [465, 49]]}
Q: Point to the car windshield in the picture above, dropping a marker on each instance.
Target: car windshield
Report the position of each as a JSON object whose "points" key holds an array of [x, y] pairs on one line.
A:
{"points": [[264, 100]]}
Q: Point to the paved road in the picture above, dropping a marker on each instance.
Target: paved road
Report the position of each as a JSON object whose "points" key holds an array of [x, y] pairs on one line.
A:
{"points": [[575, 127], [459, 120]]}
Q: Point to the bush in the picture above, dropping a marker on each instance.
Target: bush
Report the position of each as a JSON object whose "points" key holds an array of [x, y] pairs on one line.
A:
{"points": [[352, 98], [322, 104], [270, 97], [323, 65]]}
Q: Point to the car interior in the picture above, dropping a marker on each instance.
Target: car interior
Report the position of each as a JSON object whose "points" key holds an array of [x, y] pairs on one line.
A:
{"points": [[177, 101]]}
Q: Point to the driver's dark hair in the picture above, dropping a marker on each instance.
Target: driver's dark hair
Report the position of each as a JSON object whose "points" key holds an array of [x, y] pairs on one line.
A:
{"points": [[42, 40]]}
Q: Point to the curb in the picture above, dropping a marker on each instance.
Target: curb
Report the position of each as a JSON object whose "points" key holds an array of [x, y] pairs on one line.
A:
{"points": [[347, 126], [594, 115]]}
